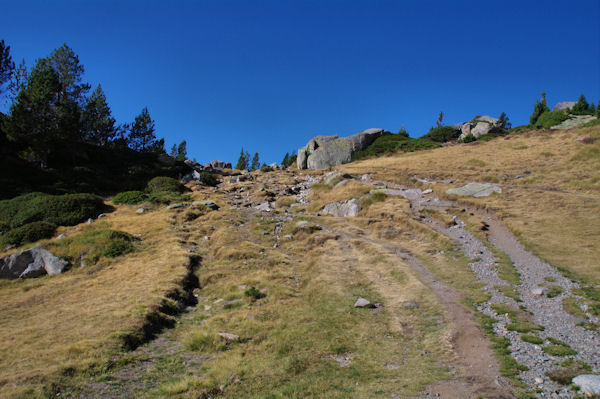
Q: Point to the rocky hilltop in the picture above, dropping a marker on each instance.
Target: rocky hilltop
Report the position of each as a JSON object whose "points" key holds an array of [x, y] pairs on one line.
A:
{"points": [[324, 151]]}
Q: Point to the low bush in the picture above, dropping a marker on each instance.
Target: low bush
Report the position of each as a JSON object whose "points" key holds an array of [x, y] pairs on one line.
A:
{"points": [[254, 293], [93, 244], [442, 134], [551, 118], [208, 179], [30, 232], [469, 138], [266, 168], [164, 184], [129, 198], [61, 210], [394, 143]]}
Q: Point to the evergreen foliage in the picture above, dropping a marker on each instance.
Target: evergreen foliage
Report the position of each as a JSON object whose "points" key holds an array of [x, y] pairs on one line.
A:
{"points": [[255, 162], [243, 162], [394, 143], [538, 109], [403, 132], [97, 123], [30, 232], [141, 133], [581, 107], [551, 118], [182, 151], [7, 66], [129, 197], [442, 134], [504, 122]]}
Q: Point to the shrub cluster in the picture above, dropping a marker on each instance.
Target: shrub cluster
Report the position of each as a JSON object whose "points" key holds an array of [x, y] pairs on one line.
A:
{"points": [[551, 118], [442, 134], [394, 143], [29, 232], [208, 179], [129, 198]]}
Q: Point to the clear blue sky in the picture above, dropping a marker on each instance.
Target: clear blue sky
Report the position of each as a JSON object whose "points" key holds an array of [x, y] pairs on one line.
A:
{"points": [[269, 75]]}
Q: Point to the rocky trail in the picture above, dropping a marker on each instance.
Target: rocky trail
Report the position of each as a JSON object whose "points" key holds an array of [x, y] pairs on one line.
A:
{"points": [[533, 304]]}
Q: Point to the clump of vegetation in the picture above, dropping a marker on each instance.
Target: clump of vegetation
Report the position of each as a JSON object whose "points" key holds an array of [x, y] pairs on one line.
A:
{"points": [[92, 244], [266, 168], [165, 190], [203, 341], [129, 198], [442, 134], [539, 108], [532, 339], [550, 118], [254, 293], [570, 370], [582, 107], [34, 216], [518, 323], [554, 291], [559, 350], [208, 179], [30, 232], [394, 143], [469, 138], [289, 160]]}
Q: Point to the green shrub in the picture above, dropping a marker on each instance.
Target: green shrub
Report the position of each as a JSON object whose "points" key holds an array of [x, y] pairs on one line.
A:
{"points": [[30, 232], [551, 118], [129, 198], [558, 350], [163, 184], [394, 143], [95, 242], [61, 210], [532, 339], [266, 168], [442, 134], [254, 293], [469, 138], [208, 179]]}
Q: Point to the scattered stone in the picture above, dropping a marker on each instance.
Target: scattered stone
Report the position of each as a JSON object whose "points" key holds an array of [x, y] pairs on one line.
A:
{"points": [[265, 206], [178, 205], [209, 204], [227, 337], [539, 291], [243, 286], [332, 177], [574, 121], [475, 190], [564, 105], [340, 184], [589, 384], [411, 305], [363, 303], [140, 211], [31, 263], [343, 359], [365, 178], [90, 221], [288, 236], [349, 208], [428, 191], [60, 237]]}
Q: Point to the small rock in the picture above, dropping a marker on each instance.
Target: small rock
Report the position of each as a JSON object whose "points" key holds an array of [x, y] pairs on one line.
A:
{"points": [[243, 286], [427, 191], [538, 380], [178, 205], [101, 216], [365, 178], [389, 233], [140, 210], [229, 337], [60, 237], [392, 366], [343, 359], [340, 184], [265, 206], [206, 238], [288, 236], [539, 291], [411, 305], [363, 303], [90, 221], [589, 383]]}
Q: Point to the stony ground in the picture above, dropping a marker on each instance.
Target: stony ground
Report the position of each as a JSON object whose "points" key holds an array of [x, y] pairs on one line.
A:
{"points": [[534, 302]]}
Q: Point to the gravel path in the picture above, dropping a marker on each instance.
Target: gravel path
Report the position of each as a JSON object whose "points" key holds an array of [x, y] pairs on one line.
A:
{"points": [[546, 312]]}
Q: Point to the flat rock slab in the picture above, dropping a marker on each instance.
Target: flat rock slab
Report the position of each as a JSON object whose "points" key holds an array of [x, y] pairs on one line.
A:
{"points": [[574, 121], [589, 383], [410, 194], [475, 190], [349, 208]]}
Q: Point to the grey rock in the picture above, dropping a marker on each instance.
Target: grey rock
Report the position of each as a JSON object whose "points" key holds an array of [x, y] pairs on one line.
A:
{"points": [[140, 210], [178, 205], [220, 165], [574, 121], [479, 126], [90, 221], [192, 176], [348, 208], [30, 263], [324, 151], [563, 105], [539, 291], [389, 234], [363, 303], [427, 191], [589, 383], [209, 204], [60, 237], [411, 305], [475, 190], [228, 337], [365, 178], [331, 178], [265, 206]]}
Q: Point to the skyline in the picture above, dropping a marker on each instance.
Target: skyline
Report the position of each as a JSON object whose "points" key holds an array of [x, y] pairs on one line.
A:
{"points": [[268, 76]]}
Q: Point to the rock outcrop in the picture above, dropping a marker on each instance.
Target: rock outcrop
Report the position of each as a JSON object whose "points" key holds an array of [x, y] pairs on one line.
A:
{"points": [[475, 190], [324, 151], [479, 126], [563, 105], [34, 262], [349, 208]]}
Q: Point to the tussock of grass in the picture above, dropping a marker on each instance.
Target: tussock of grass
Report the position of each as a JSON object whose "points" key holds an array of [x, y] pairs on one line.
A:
{"points": [[570, 305], [558, 350], [532, 339]]}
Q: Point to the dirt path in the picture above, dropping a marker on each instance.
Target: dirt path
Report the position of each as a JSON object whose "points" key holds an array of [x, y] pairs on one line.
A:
{"points": [[479, 371]]}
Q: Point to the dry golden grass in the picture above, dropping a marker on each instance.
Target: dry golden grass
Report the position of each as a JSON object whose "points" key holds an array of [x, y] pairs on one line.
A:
{"points": [[550, 182], [72, 323]]}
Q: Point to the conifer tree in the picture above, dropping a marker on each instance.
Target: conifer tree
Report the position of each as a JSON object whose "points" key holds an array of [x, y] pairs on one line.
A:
{"points": [[174, 151], [141, 133], [97, 123], [182, 151], [7, 66], [255, 163], [538, 109], [581, 107], [242, 162], [286, 159]]}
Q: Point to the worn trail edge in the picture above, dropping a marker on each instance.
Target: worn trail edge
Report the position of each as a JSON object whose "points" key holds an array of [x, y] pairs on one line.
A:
{"points": [[479, 370]]}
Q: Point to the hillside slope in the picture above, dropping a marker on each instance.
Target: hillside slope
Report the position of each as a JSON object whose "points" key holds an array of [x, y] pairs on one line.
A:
{"points": [[455, 309]]}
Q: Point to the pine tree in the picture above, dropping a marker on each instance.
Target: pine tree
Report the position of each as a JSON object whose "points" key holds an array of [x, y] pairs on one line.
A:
{"points": [[440, 121], [581, 107], [286, 159], [7, 66], [174, 151], [538, 110], [592, 109], [19, 80], [504, 122], [255, 163], [598, 110], [66, 63], [97, 123], [141, 133], [182, 151], [242, 162]]}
